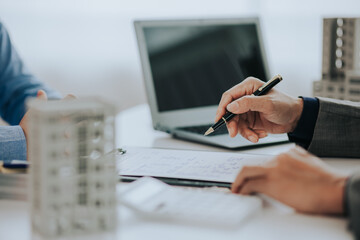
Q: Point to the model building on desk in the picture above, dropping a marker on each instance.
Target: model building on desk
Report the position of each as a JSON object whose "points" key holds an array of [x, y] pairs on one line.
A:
{"points": [[73, 176], [341, 60]]}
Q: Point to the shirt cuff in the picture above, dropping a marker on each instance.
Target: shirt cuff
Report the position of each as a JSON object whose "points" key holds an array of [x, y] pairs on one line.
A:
{"points": [[304, 131], [12, 143]]}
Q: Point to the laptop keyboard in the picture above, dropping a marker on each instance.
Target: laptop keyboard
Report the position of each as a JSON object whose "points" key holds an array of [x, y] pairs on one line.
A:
{"points": [[203, 128]]}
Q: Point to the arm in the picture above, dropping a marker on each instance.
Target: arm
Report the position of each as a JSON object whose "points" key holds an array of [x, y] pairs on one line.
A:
{"points": [[329, 127], [303, 133], [12, 143], [256, 116], [298, 179], [16, 83], [326, 127], [306, 183], [336, 130], [352, 203]]}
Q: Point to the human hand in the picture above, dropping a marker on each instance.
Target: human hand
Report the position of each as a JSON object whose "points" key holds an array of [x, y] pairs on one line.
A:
{"points": [[41, 95], [298, 179], [257, 116]]}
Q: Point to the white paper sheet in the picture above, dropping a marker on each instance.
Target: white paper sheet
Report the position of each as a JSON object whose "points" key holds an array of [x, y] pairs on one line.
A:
{"points": [[185, 164]]}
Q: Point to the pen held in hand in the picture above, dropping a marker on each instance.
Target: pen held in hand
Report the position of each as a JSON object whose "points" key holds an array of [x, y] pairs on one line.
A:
{"points": [[265, 88]]}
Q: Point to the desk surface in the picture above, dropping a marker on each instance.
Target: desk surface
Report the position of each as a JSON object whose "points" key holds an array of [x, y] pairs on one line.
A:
{"points": [[276, 221]]}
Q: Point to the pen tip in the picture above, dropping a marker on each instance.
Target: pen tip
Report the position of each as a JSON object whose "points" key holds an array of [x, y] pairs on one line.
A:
{"points": [[210, 130]]}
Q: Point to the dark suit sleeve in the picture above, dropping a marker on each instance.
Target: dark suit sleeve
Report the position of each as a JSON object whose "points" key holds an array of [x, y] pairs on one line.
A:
{"points": [[352, 203], [330, 128], [337, 128]]}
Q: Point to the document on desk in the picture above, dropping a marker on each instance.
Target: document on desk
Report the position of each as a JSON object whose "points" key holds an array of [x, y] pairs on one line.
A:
{"points": [[186, 164]]}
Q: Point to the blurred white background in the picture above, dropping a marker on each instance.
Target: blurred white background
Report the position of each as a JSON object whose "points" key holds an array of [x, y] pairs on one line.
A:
{"points": [[88, 47]]}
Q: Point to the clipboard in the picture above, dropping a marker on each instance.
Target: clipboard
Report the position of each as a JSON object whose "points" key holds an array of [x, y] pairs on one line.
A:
{"points": [[180, 182], [184, 167]]}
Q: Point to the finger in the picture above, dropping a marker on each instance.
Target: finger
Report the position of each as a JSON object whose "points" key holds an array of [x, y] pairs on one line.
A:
{"points": [[232, 126], [302, 155], [247, 172], [259, 120], [261, 133], [292, 155], [250, 103], [246, 87], [251, 119], [41, 94], [70, 97], [246, 132], [243, 116], [226, 98], [251, 186]]}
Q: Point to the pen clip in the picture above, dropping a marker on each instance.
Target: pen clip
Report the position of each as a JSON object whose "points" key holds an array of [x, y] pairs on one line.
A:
{"points": [[270, 81], [121, 151]]}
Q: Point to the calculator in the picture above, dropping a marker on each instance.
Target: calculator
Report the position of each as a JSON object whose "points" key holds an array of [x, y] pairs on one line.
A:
{"points": [[155, 200]]}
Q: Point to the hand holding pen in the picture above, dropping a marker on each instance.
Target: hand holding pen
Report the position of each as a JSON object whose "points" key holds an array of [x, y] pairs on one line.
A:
{"points": [[256, 116]]}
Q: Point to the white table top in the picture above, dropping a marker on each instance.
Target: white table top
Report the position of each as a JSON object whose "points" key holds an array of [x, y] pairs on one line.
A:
{"points": [[275, 221]]}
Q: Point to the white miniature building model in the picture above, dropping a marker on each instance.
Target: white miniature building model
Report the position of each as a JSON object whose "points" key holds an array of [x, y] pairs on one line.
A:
{"points": [[73, 175], [341, 60]]}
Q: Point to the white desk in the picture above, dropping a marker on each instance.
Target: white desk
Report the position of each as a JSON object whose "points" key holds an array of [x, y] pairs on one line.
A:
{"points": [[274, 222]]}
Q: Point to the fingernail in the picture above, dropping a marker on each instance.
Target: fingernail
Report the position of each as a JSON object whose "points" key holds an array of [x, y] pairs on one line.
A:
{"points": [[253, 139], [230, 107]]}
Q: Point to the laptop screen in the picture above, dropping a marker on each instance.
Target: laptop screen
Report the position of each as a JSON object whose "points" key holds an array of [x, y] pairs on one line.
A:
{"points": [[192, 66]]}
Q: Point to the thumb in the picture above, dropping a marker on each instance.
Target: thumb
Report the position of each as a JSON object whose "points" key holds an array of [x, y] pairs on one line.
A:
{"points": [[41, 94], [248, 103]]}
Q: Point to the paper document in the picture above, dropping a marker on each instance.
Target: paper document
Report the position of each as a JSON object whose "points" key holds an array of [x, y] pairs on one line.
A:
{"points": [[185, 164]]}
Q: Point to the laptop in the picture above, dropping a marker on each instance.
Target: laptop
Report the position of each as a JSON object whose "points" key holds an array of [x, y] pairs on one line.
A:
{"points": [[187, 66]]}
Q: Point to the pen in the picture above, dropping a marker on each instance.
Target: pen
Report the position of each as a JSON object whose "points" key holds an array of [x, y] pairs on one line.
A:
{"points": [[261, 91]]}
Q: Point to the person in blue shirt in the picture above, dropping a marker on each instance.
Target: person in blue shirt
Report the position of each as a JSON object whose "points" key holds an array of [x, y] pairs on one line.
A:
{"points": [[17, 85], [321, 127]]}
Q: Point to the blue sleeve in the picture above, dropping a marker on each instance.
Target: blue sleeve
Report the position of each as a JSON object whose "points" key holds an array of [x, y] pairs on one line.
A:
{"points": [[303, 133], [12, 143], [16, 83]]}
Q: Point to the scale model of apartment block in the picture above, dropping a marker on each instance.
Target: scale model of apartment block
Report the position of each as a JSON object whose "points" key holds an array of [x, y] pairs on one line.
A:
{"points": [[73, 176], [341, 60]]}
